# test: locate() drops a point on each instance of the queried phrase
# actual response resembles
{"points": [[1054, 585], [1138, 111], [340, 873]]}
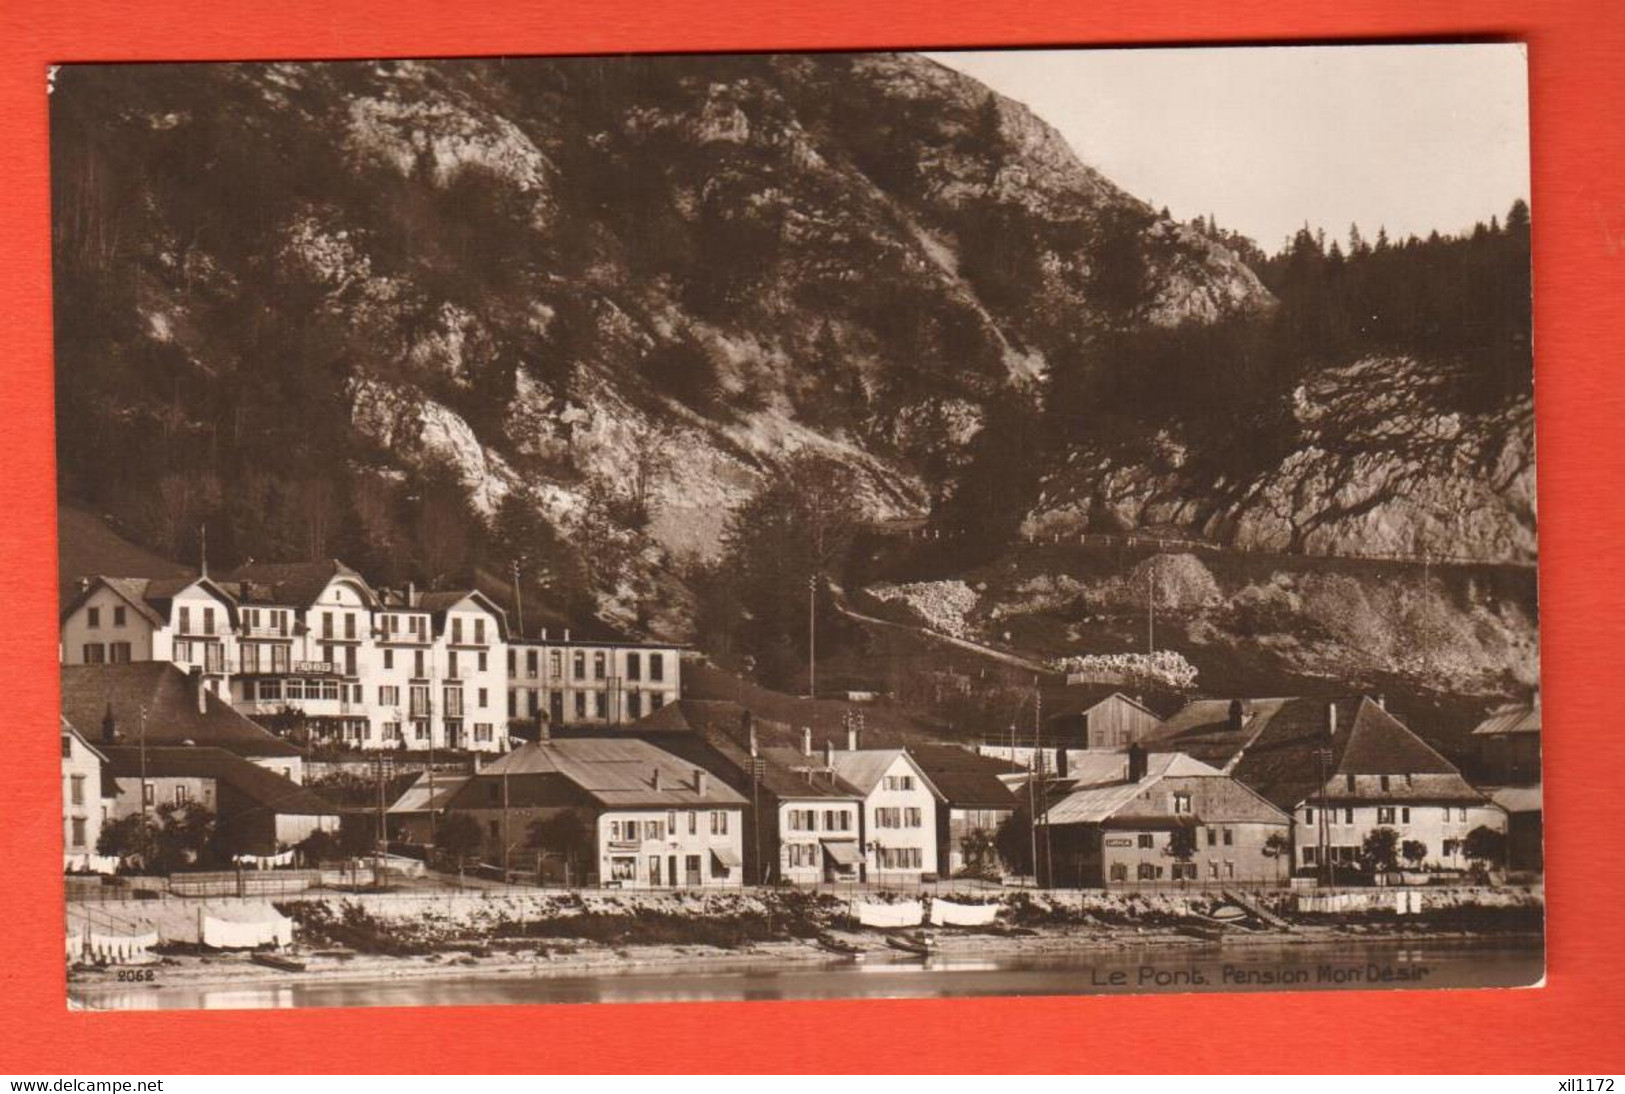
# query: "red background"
{"points": [[1572, 1026]]}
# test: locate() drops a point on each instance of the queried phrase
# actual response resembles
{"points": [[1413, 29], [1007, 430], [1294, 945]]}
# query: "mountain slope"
{"points": [[293, 283]]}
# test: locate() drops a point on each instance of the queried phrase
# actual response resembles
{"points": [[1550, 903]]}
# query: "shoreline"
{"points": [[567, 958]]}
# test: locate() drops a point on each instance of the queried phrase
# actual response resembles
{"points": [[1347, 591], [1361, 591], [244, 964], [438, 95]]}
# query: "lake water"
{"points": [[1477, 963]]}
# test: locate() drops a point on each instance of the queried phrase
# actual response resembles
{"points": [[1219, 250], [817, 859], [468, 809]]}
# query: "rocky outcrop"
{"points": [[1382, 462]]}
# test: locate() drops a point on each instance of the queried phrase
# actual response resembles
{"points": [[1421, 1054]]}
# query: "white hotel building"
{"points": [[314, 642]]}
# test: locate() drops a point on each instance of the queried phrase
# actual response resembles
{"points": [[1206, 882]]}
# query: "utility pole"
{"points": [[1323, 829], [144, 788], [812, 636], [519, 598], [1038, 750]]}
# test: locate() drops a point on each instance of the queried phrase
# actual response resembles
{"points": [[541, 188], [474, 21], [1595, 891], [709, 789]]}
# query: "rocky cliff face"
{"points": [[1380, 460], [538, 269]]}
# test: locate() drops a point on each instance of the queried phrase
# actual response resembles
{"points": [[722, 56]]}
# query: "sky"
{"points": [[1412, 137]]}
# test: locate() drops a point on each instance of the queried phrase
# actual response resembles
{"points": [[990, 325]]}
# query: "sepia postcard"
{"points": [[786, 526]]}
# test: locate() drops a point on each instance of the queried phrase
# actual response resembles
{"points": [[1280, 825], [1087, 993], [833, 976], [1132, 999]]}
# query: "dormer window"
{"points": [[1182, 804], [1348, 782], [1384, 780]]}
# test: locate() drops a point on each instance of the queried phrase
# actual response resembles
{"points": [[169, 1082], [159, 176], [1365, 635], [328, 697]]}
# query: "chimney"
{"points": [[567, 634], [544, 634], [1136, 762], [699, 780], [656, 781], [84, 584], [479, 763], [829, 754], [806, 740], [199, 690], [1331, 719], [544, 727], [753, 748], [411, 594], [1238, 715], [1534, 697], [109, 726], [851, 738], [1060, 762]]}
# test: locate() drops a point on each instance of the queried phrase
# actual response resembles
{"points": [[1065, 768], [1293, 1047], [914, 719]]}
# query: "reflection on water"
{"points": [[1476, 963]]}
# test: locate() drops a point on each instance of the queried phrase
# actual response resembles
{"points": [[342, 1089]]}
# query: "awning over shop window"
{"points": [[724, 856], [843, 852]]}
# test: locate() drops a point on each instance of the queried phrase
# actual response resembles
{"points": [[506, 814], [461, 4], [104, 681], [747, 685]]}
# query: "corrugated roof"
{"points": [[418, 798], [1215, 797], [266, 789], [1510, 719], [1518, 799], [617, 771], [172, 714]]}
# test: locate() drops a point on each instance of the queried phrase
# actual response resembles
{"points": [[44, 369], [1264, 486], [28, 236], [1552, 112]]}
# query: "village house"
{"points": [[817, 817], [579, 682], [1169, 818], [1343, 768], [87, 799], [899, 816], [155, 702], [1509, 744], [257, 812], [190, 622], [975, 805], [1526, 852], [618, 810]]}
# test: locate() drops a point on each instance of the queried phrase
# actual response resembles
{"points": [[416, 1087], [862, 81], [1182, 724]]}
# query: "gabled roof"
{"points": [[169, 697], [1203, 728], [618, 772], [789, 773], [437, 604], [292, 584], [1064, 700], [965, 780], [1510, 719], [864, 768], [264, 789], [73, 731], [722, 716], [151, 597], [1274, 749], [1215, 797]]}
